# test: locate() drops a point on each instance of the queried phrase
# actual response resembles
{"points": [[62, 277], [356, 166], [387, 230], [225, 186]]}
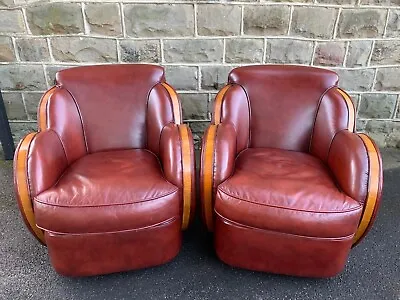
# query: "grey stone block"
{"points": [[14, 106], [161, 20], [386, 53], [388, 79], [20, 130], [244, 50], [362, 23], [330, 53], [12, 21], [289, 51], [33, 49], [6, 49], [55, 18], [393, 27], [32, 103], [182, 77], [140, 51], [22, 77], [194, 106], [193, 50], [266, 20], [359, 52], [313, 22], [378, 106], [356, 80], [76, 49], [214, 77], [385, 134], [381, 2], [216, 19], [104, 18]]}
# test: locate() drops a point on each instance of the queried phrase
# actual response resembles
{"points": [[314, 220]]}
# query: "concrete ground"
{"points": [[372, 272]]}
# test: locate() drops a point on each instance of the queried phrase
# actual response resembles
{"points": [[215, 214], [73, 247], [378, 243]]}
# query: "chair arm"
{"points": [[178, 163], [39, 162], [356, 163], [218, 154]]}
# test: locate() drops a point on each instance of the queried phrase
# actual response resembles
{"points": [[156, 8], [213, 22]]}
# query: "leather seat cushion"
{"points": [[287, 192], [106, 192]]}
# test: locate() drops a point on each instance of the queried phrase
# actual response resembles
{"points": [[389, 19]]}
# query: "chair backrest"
{"points": [[112, 103], [284, 101]]}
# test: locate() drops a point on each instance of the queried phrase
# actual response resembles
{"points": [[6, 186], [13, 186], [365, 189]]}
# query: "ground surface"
{"points": [[373, 270]]}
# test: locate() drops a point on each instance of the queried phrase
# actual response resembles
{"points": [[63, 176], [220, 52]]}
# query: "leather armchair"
{"points": [[108, 181], [286, 184]]}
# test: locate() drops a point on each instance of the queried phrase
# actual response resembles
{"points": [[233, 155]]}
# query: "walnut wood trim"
{"points": [[208, 176], [187, 174], [218, 104], [43, 109], [22, 187], [350, 108], [176, 107], [373, 188]]}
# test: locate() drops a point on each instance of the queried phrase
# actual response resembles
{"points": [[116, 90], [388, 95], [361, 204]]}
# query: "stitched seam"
{"points": [[81, 118], [316, 115], [147, 110], [277, 232], [369, 166], [171, 104], [292, 209], [249, 106], [108, 205], [160, 224], [62, 144], [28, 155]]}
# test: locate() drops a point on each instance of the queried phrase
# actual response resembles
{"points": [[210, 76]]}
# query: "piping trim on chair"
{"points": [[218, 104], [43, 108], [373, 188], [208, 175], [187, 174], [350, 109], [176, 107], [23, 187]]}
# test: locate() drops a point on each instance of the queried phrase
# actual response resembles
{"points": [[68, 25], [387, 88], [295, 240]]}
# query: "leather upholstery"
{"points": [[288, 187], [97, 176]]}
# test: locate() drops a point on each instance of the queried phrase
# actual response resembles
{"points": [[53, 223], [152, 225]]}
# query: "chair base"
{"points": [[102, 253], [268, 251]]}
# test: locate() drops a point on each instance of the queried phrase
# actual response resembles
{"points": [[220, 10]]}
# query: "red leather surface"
{"points": [[92, 254], [235, 110], [348, 161], [332, 117], [283, 101], [105, 94], [108, 191], [275, 252], [46, 162], [63, 117], [159, 114], [286, 191]]}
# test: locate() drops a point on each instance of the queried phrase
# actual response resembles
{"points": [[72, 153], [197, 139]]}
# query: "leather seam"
{"points": [[369, 165], [316, 114], [62, 144], [108, 205], [28, 156], [160, 224], [278, 232], [80, 117], [286, 208], [249, 106]]}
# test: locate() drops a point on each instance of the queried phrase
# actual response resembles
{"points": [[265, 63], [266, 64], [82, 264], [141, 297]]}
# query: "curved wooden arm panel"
{"points": [[21, 184], [372, 201]]}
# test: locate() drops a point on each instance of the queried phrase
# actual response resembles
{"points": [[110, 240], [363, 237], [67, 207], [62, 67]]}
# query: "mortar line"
{"points": [[195, 9], [290, 19], [16, 52], [122, 15], [335, 29], [28, 30], [85, 22], [346, 53], [386, 23], [50, 50], [370, 54], [242, 20]]}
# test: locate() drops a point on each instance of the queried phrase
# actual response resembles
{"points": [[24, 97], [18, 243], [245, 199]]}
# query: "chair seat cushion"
{"points": [[286, 191], [107, 192]]}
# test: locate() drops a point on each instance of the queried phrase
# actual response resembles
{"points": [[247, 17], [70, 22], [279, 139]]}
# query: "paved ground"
{"points": [[373, 270]]}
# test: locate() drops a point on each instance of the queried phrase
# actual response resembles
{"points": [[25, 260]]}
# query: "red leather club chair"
{"points": [[286, 184], [108, 181]]}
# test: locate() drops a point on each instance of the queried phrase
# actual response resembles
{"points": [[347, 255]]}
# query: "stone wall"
{"points": [[199, 42]]}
